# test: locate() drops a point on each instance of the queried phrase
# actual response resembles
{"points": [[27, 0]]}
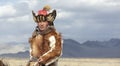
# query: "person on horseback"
{"points": [[46, 42]]}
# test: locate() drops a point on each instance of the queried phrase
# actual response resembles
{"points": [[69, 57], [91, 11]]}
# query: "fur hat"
{"points": [[46, 7], [43, 16]]}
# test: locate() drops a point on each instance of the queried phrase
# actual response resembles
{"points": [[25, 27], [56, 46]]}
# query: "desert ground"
{"points": [[71, 62]]}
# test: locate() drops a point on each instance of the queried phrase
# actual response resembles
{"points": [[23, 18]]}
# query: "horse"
{"points": [[2, 63]]}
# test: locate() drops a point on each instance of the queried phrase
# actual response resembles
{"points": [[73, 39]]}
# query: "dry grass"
{"points": [[73, 62]]}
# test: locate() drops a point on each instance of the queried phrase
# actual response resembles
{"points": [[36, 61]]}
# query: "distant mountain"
{"points": [[110, 43], [16, 55], [89, 49], [71, 48], [101, 49]]}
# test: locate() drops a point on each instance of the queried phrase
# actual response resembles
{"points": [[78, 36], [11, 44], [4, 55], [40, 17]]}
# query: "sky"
{"points": [[80, 20]]}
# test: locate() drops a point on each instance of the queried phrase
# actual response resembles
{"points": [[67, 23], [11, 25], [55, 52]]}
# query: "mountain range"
{"points": [[88, 49]]}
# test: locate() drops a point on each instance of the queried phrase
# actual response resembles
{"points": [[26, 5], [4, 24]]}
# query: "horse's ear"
{"points": [[34, 16]]}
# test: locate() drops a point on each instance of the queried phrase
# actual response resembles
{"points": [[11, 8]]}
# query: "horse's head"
{"points": [[2, 63]]}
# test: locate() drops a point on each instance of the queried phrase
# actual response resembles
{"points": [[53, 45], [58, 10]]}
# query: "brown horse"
{"points": [[2, 63]]}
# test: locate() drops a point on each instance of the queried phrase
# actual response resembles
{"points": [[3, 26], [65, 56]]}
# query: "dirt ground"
{"points": [[71, 62]]}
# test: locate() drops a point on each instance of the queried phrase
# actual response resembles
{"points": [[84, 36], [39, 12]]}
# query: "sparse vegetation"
{"points": [[73, 62]]}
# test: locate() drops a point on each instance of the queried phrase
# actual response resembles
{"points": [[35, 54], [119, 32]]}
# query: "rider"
{"points": [[51, 46]]}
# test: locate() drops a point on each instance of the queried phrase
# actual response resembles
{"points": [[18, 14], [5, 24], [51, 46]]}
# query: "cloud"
{"points": [[64, 14], [31, 3], [80, 20], [13, 48], [91, 21], [7, 10], [14, 38]]}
